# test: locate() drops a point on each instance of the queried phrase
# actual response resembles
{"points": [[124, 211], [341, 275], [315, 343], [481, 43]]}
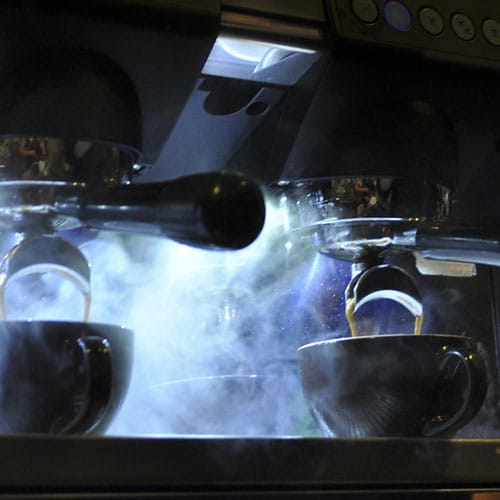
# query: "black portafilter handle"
{"points": [[210, 210]]}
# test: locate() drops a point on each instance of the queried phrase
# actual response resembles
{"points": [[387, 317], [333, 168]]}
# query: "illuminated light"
{"points": [[398, 15], [288, 245], [313, 271], [216, 190], [274, 214], [244, 58], [252, 50], [245, 50]]}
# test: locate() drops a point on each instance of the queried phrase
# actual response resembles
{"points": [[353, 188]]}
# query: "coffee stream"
{"points": [[418, 324], [349, 314]]}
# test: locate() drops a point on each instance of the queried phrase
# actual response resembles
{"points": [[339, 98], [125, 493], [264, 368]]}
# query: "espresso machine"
{"points": [[226, 177]]}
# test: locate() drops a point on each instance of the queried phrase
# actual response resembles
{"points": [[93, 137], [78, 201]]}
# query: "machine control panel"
{"points": [[460, 31]]}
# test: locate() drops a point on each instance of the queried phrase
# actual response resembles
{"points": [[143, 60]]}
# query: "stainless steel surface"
{"points": [[32, 204], [65, 160], [368, 219], [355, 218]]}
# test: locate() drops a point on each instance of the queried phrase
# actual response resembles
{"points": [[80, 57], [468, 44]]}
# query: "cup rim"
{"points": [[383, 336], [72, 324]]}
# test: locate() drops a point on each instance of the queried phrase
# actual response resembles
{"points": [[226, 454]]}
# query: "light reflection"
{"points": [[253, 50], [242, 58]]}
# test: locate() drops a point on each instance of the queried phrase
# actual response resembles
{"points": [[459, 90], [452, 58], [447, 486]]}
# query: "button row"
{"points": [[398, 15], [431, 20]]}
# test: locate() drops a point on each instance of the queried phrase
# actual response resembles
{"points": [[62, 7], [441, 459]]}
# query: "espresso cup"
{"points": [[62, 377], [393, 385]]}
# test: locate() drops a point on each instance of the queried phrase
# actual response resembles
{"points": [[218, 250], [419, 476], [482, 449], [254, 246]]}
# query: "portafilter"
{"points": [[365, 220], [61, 184]]}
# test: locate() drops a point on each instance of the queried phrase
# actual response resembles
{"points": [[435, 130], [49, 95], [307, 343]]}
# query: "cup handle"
{"points": [[475, 393], [98, 358]]}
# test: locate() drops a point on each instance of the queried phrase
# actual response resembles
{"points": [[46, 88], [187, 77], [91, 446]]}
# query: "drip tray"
{"points": [[66, 463]]}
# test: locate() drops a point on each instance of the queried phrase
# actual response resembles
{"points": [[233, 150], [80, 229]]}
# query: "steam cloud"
{"points": [[215, 332]]}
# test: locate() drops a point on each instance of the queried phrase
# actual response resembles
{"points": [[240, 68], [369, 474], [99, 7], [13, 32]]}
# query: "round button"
{"points": [[397, 15], [431, 21], [365, 10], [463, 26], [491, 31]]}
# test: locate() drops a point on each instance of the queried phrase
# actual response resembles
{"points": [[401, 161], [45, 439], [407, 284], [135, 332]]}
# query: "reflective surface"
{"points": [[213, 210], [353, 218], [57, 159]]}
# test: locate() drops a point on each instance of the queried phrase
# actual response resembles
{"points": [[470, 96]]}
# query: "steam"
{"points": [[208, 358], [216, 333]]}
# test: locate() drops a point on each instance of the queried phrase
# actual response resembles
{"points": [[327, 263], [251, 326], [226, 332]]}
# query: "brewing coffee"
{"points": [[58, 376], [393, 385]]}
